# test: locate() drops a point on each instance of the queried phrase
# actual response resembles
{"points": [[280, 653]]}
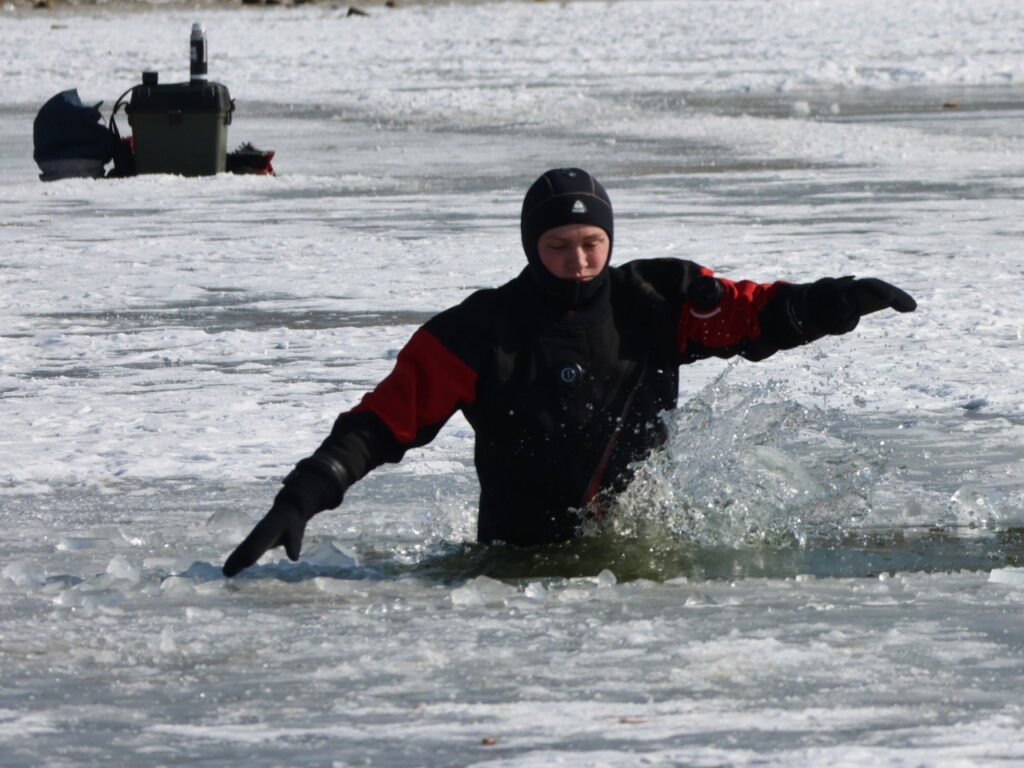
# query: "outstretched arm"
{"points": [[407, 409], [723, 318]]}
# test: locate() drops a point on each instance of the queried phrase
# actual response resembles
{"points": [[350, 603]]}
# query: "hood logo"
{"points": [[579, 207]]}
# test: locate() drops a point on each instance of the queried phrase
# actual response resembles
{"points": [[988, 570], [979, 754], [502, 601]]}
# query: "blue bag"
{"points": [[71, 139]]}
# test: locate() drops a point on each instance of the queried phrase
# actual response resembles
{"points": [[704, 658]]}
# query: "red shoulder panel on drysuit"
{"points": [[734, 320], [428, 384]]}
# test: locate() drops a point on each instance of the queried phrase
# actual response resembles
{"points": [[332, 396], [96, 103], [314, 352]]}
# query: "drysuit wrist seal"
{"points": [[320, 477]]}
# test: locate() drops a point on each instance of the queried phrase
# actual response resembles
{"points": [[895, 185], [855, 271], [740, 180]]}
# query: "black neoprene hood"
{"points": [[563, 196]]}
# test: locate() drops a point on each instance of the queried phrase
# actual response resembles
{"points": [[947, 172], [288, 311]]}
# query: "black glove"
{"points": [[835, 305], [282, 525], [874, 294], [316, 484]]}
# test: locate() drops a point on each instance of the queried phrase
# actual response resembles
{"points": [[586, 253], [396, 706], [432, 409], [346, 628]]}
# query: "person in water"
{"points": [[562, 372]]}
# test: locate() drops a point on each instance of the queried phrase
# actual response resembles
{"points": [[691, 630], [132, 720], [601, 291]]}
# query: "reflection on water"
{"points": [[866, 554]]}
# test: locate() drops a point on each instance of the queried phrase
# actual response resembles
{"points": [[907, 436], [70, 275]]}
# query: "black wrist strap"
{"points": [[327, 465], [320, 481]]}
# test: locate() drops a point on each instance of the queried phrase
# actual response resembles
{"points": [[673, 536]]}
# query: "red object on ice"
{"points": [[249, 160]]}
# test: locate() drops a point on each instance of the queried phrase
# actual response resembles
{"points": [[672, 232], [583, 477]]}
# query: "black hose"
{"points": [[117, 105]]}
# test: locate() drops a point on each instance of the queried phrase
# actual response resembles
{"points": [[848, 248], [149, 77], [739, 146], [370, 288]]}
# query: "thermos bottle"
{"points": [[197, 54]]}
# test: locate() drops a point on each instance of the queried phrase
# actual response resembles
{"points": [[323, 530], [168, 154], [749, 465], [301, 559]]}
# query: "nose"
{"points": [[579, 257]]}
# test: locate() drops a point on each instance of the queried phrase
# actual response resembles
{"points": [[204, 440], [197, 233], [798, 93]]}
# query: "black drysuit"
{"points": [[562, 402]]}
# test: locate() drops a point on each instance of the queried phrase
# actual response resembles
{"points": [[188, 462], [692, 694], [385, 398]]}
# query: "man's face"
{"points": [[574, 251]]}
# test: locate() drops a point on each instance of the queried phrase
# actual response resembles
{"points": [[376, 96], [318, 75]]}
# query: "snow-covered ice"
{"points": [[824, 566]]}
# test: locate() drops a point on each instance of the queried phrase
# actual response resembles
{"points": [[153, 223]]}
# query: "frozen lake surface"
{"points": [[825, 566]]}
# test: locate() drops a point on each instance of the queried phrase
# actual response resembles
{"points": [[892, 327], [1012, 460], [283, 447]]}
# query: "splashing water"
{"points": [[746, 466], [749, 483]]}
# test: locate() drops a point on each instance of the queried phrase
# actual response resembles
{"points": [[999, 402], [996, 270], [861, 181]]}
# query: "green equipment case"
{"points": [[180, 128]]}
